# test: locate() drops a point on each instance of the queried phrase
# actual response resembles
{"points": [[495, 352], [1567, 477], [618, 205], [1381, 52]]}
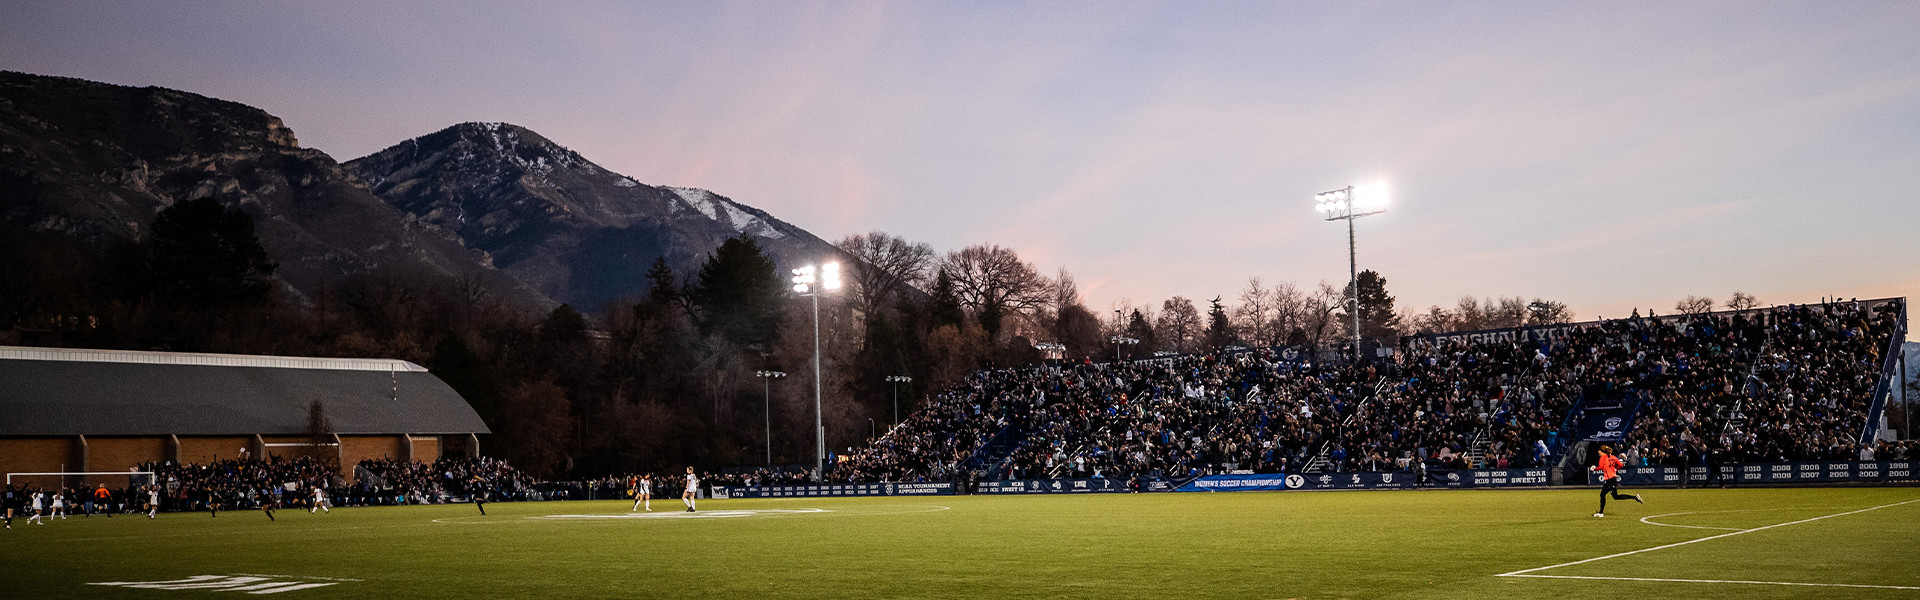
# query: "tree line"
{"points": [[671, 378]]}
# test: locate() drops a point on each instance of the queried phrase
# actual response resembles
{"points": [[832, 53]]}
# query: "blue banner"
{"points": [[836, 490], [1641, 476], [1486, 477], [1054, 486], [1605, 416], [1320, 481], [1897, 471]]}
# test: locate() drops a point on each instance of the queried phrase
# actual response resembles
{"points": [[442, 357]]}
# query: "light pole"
{"points": [[1347, 204], [895, 381], [810, 282], [1118, 341], [766, 387], [873, 431]]}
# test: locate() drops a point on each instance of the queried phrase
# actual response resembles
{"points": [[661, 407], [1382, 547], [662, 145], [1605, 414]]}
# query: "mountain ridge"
{"points": [[96, 162], [576, 231]]}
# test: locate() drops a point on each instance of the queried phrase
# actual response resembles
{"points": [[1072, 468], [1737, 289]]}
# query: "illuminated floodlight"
{"points": [[1371, 198], [830, 276], [803, 279]]}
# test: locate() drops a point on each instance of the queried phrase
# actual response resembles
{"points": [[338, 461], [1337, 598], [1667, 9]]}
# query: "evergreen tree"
{"points": [[738, 293], [944, 306], [203, 256], [1219, 328], [1139, 328], [1377, 319]]}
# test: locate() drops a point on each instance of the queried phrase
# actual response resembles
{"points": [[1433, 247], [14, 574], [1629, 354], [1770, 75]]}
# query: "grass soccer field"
{"points": [[1698, 543]]}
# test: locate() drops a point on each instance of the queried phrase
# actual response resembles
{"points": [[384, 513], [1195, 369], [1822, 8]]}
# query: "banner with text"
{"points": [[1054, 486], [1883, 471], [837, 490], [1319, 481], [1486, 477]]}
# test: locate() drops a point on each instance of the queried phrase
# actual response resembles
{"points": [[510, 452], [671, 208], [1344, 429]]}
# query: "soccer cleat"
{"points": [[1638, 498], [1599, 515]]}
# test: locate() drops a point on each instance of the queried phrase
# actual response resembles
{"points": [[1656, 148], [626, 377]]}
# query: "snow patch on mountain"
{"points": [[714, 207], [699, 199]]}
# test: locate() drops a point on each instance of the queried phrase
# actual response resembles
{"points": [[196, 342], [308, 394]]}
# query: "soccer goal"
{"points": [[82, 478]]}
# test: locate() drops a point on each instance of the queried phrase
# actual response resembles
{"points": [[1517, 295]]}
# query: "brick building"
{"points": [[66, 410]]}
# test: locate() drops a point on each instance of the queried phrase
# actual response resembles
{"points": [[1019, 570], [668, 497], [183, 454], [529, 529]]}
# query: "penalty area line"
{"points": [[1523, 572], [1662, 579]]}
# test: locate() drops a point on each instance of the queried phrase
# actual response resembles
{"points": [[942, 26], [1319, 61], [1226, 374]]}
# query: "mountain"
{"points": [[95, 162], [573, 230]]}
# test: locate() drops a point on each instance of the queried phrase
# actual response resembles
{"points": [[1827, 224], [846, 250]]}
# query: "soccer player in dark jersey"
{"points": [[1609, 469], [266, 501], [478, 489]]}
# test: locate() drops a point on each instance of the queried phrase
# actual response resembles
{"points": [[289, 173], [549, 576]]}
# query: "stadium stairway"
{"points": [[993, 454]]}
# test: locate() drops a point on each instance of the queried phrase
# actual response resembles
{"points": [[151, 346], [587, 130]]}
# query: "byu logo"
{"points": [[1294, 481], [1613, 422]]}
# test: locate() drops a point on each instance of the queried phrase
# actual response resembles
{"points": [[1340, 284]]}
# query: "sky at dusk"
{"points": [[1607, 155]]}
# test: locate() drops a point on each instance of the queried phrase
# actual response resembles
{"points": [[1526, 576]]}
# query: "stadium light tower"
{"points": [[811, 282], [766, 387], [895, 381], [1347, 204]]}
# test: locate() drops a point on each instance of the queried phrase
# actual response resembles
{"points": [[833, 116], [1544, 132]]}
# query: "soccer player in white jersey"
{"points": [[59, 505], [320, 501], [39, 504], [153, 500], [643, 493], [693, 489]]}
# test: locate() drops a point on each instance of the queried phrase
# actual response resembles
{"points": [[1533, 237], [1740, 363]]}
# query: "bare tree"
{"points": [[994, 283], [1179, 326], [1468, 315], [1548, 312], [1318, 311], [1694, 305], [1507, 312], [887, 266], [1290, 313], [319, 432], [1434, 320], [1742, 301], [1254, 318]]}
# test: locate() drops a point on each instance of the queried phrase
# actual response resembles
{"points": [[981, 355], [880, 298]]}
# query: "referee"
{"points": [[1609, 469]]}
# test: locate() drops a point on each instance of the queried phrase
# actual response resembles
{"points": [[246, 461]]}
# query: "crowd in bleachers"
{"points": [[1773, 385], [387, 481], [241, 483]]}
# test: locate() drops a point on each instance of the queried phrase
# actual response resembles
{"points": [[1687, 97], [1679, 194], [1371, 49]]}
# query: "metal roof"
{"points": [[58, 392], [193, 358]]}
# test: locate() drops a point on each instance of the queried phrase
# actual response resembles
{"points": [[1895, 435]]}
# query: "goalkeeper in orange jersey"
{"points": [[1609, 469]]}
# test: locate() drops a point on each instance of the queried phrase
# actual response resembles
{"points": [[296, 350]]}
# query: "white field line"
{"points": [[1644, 520], [1521, 572], [1844, 585]]}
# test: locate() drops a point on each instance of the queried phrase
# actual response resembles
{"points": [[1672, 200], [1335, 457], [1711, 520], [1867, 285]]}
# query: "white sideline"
{"points": [[1844, 585], [1523, 572]]}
